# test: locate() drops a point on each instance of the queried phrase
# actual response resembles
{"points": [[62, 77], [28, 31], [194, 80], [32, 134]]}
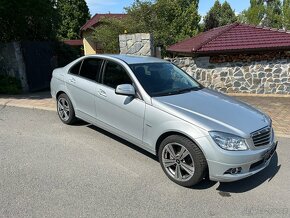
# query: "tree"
{"points": [[211, 19], [242, 18], [286, 14], [270, 13], [188, 22], [107, 34], [30, 20], [219, 15], [169, 21], [255, 13], [176, 21], [73, 14], [228, 15], [273, 14], [141, 16]]}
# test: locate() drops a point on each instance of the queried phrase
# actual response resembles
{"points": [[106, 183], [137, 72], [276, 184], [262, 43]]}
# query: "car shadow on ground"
{"points": [[224, 189], [130, 145]]}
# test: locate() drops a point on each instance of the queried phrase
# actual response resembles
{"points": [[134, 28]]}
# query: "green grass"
{"points": [[9, 85]]}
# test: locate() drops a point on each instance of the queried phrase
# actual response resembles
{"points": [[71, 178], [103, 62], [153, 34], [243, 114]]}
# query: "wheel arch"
{"points": [[169, 133], [59, 92]]}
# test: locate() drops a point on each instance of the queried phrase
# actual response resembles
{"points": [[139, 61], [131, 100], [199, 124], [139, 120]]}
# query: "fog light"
{"points": [[233, 170]]}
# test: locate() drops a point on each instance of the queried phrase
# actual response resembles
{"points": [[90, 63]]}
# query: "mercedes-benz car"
{"points": [[195, 132]]}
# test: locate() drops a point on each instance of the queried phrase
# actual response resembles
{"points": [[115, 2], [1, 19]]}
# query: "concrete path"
{"points": [[277, 107]]}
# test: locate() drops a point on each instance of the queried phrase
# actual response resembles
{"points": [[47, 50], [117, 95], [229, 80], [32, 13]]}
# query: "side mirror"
{"points": [[125, 89]]}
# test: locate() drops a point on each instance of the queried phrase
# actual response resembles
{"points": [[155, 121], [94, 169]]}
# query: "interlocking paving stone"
{"points": [[278, 108]]}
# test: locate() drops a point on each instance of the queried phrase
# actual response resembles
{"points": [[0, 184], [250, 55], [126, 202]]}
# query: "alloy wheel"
{"points": [[178, 162], [63, 109]]}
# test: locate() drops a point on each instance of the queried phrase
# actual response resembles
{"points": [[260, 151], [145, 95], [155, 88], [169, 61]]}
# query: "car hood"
{"points": [[213, 111]]}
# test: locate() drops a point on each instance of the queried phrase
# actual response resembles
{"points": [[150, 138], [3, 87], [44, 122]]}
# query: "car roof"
{"points": [[133, 59]]}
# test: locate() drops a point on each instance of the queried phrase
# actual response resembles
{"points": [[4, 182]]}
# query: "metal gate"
{"points": [[38, 57]]}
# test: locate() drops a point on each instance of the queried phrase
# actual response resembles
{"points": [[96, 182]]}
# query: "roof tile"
{"points": [[97, 17], [234, 38], [73, 42]]}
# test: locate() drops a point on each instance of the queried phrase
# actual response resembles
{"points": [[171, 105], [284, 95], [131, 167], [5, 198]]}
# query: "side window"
{"points": [[91, 68], [75, 68], [115, 75]]}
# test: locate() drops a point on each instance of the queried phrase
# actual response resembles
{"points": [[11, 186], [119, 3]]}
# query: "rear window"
{"points": [[91, 68]]}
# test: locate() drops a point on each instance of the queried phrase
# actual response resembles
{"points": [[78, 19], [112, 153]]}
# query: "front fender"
{"points": [[158, 122]]}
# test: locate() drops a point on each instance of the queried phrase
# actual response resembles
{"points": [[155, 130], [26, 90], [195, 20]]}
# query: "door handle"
{"points": [[102, 93], [72, 80]]}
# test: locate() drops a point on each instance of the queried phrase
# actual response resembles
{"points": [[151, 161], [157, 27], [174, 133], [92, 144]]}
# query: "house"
{"points": [[238, 58], [235, 38], [90, 46]]}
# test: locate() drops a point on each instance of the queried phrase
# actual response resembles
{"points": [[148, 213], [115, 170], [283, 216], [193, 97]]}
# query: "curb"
{"points": [[11, 104]]}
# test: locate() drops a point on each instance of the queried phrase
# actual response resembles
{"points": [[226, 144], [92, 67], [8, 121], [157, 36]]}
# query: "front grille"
{"points": [[262, 137]]}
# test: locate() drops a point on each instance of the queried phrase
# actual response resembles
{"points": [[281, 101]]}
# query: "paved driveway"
{"points": [[277, 107], [48, 169]]}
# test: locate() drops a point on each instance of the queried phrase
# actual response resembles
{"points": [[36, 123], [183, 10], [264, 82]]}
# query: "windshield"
{"points": [[160, 79]]}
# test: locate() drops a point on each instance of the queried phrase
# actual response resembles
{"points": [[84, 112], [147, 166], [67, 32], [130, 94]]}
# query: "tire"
{"points": [[182, 161], [65, 109]]}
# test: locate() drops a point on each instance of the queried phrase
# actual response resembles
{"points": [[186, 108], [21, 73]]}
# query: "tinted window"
{"points": [[76, 68], [115, 75], [91, 68], [159, 79]]}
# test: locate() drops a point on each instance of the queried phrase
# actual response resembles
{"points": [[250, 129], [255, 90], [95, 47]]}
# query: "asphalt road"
{"points": [[48, 169]]}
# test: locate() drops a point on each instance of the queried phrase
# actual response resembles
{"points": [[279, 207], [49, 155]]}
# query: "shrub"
{"points": [[9, 85]]}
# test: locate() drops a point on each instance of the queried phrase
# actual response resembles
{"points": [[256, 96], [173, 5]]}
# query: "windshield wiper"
{"points": [[187, 90], [180, 91]]}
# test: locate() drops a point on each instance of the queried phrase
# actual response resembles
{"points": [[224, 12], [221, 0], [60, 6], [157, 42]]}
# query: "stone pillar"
{"points": [[136, 44]]}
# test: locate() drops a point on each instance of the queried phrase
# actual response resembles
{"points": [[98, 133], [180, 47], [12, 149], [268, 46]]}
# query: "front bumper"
{"points": [[249, 162]]}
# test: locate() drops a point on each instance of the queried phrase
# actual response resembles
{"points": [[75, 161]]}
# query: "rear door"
{"points": [[82, 85], [124, 114]]}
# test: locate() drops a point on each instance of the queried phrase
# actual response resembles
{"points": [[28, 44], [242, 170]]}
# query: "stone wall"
{"points": [[136, 44], [257, 77]]}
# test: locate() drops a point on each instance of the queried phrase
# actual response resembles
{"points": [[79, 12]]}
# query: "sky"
{"points": [[117, 6]]}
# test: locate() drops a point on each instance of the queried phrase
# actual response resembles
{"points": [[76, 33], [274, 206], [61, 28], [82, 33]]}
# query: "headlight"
{"points": [[229, 141]]}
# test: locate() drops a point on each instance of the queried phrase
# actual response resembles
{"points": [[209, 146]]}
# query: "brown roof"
{"points": [[95, 19], [235, 37], [73, 42]]}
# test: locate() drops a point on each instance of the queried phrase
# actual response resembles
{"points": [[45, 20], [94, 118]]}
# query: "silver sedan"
{"points": [[194, 131]]}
